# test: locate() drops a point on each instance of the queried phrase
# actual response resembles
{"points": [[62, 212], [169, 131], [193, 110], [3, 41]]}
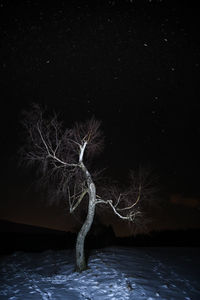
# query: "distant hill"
{"points": [[23, 237], [164, 238], [12, 227]]}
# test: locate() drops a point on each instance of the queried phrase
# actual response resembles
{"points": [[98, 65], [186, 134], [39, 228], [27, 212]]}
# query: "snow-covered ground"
{"points": [[114, 273]]}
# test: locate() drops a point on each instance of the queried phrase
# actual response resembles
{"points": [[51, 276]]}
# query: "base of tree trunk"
{"points": [[82, 268]]}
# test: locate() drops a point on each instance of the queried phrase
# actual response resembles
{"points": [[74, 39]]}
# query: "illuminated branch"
{"points": [[134, 204], [125, 205], [51, 152], [82, 150], [129, 216], [77, 198]]}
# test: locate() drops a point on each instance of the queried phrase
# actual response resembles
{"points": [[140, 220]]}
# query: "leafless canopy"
{"points": [[57, 151], [61, 154]]}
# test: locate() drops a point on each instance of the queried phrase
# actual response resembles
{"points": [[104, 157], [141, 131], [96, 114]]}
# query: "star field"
{"points": [[132, 64]]}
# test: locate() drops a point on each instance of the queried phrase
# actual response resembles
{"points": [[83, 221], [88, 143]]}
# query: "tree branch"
{"points": [[80, 198], [134, 204], [130, 216]]}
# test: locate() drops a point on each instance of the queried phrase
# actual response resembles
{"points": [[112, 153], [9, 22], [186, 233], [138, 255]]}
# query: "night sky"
{"points": [[134, 65]]}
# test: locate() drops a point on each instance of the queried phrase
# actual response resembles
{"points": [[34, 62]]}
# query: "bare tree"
{"points": [[61, 156]]}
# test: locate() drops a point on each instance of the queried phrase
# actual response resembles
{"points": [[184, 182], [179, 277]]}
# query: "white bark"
{"points": [[80, 242], [80, 253]]}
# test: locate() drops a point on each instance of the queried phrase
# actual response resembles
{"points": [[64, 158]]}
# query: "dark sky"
{"points": [[132, 64]]}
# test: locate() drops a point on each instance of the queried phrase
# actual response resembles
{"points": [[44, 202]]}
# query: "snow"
{"points": [[114, 273]]}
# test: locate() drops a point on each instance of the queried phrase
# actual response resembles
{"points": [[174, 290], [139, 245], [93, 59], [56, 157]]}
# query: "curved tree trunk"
{"points": [[80, 254]]}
